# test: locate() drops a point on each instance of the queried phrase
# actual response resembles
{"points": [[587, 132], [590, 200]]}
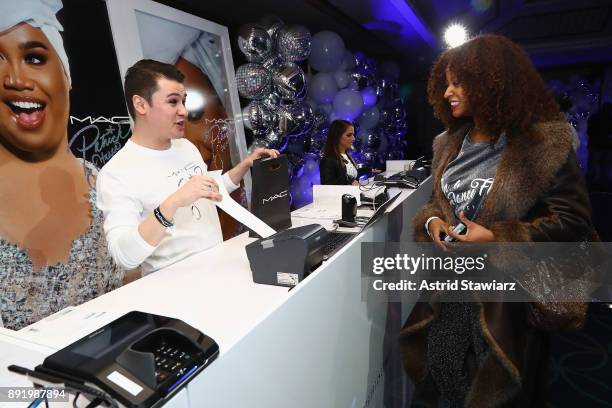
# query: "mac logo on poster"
{"points": [[274, 197], [117, 120]]}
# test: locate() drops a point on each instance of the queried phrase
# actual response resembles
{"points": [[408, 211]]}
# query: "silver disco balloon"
{"points": [[272, 62], [258, 117], [253, 81], [289, 80], [293, 43], [254, 42]]}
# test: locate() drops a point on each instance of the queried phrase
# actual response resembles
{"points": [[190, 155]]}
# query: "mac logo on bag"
{"points": [[274, 197]]}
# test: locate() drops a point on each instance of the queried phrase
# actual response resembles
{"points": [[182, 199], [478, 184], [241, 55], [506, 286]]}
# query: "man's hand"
{"points": [[237, 173], [475, 232], [261, 152], [197, 187]]}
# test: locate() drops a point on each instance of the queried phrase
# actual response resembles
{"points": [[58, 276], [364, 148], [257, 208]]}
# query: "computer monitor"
{"points": [[270, 192]]}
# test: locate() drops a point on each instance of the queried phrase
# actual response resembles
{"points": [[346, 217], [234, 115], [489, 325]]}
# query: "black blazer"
{"points": [[333, 171]]}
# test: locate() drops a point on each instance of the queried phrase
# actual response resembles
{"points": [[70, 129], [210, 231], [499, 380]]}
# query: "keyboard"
{"points": [[170, 362], [334, 241]]}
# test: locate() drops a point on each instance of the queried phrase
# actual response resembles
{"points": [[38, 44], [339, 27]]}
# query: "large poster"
{"points": [[62, 116]]}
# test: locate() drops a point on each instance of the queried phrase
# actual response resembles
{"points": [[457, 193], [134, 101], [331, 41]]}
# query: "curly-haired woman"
{"points": [[504, 167]]}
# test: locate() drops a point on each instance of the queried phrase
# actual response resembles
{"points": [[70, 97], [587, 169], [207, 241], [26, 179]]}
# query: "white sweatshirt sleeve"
{"points": [[122, 216], [229, 185]]}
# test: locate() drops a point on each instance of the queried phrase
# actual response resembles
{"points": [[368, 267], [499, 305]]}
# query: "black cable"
{"points": [[76, 397]]}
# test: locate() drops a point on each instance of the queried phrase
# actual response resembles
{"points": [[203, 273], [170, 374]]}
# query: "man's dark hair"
{"points": [[141, 79]]}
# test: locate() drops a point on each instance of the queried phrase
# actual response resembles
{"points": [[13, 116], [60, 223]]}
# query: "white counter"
{"points": [[317, 345]]}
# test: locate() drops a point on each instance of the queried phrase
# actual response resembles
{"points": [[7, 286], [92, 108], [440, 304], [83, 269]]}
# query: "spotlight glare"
{"points": [[455, 35], [195, 100]]}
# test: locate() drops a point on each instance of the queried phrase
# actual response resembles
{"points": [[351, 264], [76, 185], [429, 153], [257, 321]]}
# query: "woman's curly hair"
{"points": [[502, 86]]}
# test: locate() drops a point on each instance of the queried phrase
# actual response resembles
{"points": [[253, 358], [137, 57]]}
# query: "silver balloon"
{"points": [[294, 119], [363, 80], [293, 43], [371, 139], [276, 141], [258, 142], [289, 80], [254, 42], [272, 100], [253, 81], [272, 25], [314, 143], [398, 113], [386, 117], [258, 117], [372, 158]]}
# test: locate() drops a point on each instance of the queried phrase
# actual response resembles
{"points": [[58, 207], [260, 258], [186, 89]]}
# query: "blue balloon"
{"points": [[310, 167], [326, 51], [369, 97], [348, 61], [369, 118], [322, 88], [348, 104], [342, 78], [353, 85], [359, 157], [305, 186], [315, 178], [327, 109], [296, 193], [334, 116]]}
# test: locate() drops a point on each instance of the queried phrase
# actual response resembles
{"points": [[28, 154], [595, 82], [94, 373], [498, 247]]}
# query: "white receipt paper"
{"points": [[238, 212]]}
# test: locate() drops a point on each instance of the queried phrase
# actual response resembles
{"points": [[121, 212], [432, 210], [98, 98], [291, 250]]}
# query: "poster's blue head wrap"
{"points": [[39, 14]]}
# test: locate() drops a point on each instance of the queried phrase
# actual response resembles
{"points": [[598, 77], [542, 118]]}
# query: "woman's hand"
{"points": [[355, 183], [437, 227], [475, 232]]}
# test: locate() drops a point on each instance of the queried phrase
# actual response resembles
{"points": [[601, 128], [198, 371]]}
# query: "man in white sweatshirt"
{"points": [[155, 192]]}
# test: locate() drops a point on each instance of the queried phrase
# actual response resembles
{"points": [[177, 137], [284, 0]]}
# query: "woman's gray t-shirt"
{"points": [[469, 177]]}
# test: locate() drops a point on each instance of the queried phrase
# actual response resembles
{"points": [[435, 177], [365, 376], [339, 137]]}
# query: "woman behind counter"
{"points": [[52, 248], [337, 166]]}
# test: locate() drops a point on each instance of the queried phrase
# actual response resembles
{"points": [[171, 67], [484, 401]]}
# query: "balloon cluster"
{"points": [[351, 86], [291, 111], [274, 81]]}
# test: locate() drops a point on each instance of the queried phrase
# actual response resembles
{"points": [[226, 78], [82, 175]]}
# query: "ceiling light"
{"points": [[455, 35]]}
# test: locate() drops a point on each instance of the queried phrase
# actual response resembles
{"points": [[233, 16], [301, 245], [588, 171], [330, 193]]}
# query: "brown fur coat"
{"points": [[538, 195]]}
